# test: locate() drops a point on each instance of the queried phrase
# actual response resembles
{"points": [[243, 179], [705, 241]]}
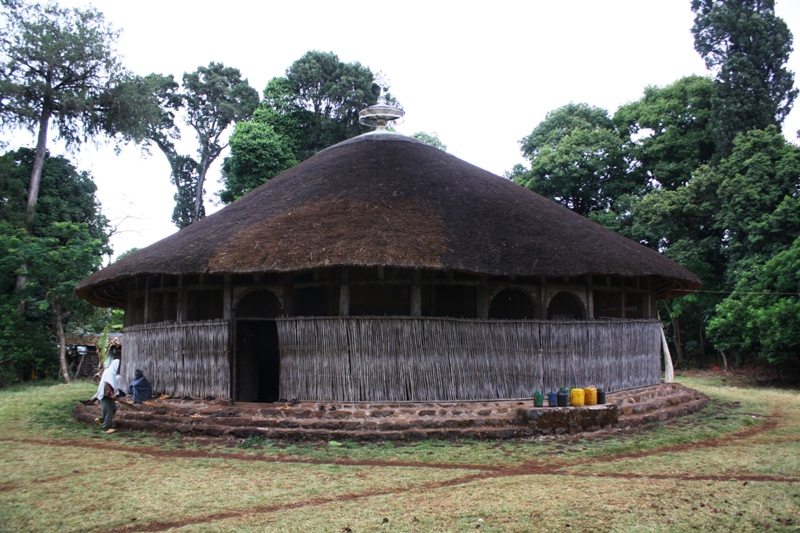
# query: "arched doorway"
{"points": [[258, 361], [512, 304], [565, 306]]}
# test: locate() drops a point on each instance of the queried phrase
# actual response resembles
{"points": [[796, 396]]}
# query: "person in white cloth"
{"points": [[107, 390]]}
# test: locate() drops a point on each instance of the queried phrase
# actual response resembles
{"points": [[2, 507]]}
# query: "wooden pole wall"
{"points": [[180, 359], [442, 359]]}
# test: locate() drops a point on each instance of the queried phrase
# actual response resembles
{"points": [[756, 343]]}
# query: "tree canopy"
{"points": [[430, 138], [576, 157], [210, 99], [314, 106], [65, 243], [257, 154], [57, 65], [669, 131], [746, 47]]}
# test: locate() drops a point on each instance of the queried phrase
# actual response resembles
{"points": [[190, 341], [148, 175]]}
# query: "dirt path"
{"points": [[478, 472]]}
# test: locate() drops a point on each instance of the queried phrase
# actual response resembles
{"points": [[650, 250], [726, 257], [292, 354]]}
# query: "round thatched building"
{"points": [[383, 269]]}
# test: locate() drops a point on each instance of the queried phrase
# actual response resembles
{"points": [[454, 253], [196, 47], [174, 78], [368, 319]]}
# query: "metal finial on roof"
{"points": [[379, 115]]}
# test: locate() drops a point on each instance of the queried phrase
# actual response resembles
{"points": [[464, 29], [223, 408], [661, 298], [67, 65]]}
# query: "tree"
{"points": [[432, 139], [68, 215], [332, 93], [214, 97], [313, 107], [56, 65], [758, 189], [257, 154], [761, 317], [746, 47], [211, 98], [681, 224], [53, 268], [67, 194], [576, 156], [670, 131], [725, 224]]}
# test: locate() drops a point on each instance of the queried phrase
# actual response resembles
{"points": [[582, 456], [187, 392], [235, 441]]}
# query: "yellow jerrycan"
{"points": [[590, 396], [576, 397]]}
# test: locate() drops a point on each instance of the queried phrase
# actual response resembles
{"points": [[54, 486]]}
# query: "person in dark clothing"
{"points": [[140, 389]]}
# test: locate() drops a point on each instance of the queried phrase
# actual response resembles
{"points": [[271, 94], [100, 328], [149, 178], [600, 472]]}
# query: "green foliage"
{"points": [[67, 195], [59, 65], [432, 139], [671, 130], [27, 350], [313, 107], [53, 267], [576, 157], [65, 244], [329, 94], [746, 47], [56, 63], [103, 357], [211, 98], [257, 154], [758, 187], [763, 316]]}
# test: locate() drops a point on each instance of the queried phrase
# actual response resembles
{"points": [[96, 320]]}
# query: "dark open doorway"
{"points": [[258, 361]]}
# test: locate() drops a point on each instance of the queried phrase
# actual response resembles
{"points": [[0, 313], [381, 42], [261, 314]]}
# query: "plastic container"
{"points": [[576, 397], [601, 396], [538, 399], [590, 396], [563, 398], [552, 398]]}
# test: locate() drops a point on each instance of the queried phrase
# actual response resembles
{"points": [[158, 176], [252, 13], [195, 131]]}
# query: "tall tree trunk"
{"points": [[38, 164], [62, 342], [33, 189], [198, 195]]}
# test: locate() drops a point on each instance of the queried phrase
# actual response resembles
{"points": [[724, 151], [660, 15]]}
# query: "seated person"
{"points": [[140, 389]]}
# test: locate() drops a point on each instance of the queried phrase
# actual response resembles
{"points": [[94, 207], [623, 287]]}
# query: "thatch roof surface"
{"points": [[385, 199]]}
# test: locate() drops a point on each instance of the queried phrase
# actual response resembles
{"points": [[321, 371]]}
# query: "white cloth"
{"points": [[109, 376]]}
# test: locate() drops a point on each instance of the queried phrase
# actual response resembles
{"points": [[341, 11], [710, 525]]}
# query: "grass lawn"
{"points": [[733, 467]]}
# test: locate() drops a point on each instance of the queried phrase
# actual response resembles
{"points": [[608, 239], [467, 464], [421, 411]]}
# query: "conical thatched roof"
{"points": [[385, 199]]}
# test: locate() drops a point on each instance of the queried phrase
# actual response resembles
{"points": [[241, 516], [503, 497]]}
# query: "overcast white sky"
{"points": [[482, 75]]}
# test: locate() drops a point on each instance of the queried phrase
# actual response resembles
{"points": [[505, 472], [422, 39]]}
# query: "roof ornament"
{"points": [[378, 116]]}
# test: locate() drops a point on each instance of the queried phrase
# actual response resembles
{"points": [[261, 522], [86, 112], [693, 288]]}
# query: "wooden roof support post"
{"points": [[542, 300], [182, 300], [483, 299], [127, 307], [146, 314], [227, 298], [416, 293], [344, 295], [288, 295], [589, 299]]}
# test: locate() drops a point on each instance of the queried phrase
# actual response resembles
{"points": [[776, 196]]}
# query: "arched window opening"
{"points": [[259, 304], [565, 306], [512, 304]]}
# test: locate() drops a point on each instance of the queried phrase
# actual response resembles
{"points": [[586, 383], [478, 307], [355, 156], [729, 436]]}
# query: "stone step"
{"points": [[663, 414], [505, 423], [393, 421], [644, 394], [659, 403], [360, 434], [655, 404]]}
